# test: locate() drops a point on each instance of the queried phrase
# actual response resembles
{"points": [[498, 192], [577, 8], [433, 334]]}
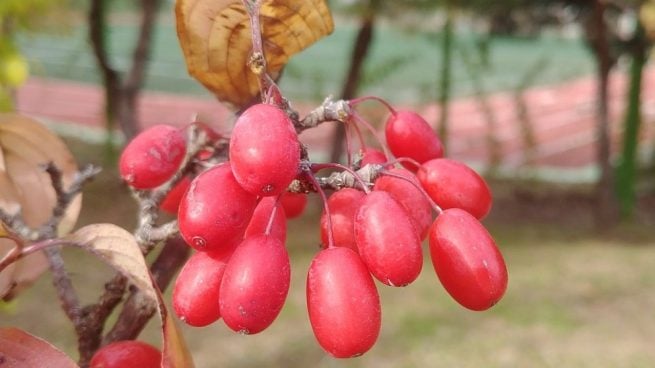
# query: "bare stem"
{"points": [[362, 185], [328, 111]]}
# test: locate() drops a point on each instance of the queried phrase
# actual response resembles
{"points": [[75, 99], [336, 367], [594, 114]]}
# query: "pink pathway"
{"points": [[561, 116]]}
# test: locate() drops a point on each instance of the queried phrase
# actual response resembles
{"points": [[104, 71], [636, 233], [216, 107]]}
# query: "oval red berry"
{"points": [[215, 211], [409, 135], [343, 303], [264, 150], [467, 260], [451, 184], [152, 157], [197, 288], [128, 353]]}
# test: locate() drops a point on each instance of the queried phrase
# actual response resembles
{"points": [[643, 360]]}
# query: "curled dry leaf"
{"points": [[25, 147], [120, 250], [18, 349], [647, 17], [216, 40]]}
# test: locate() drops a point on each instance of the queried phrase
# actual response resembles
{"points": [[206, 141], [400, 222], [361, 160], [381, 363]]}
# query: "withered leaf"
{"points": [[216, 40]]}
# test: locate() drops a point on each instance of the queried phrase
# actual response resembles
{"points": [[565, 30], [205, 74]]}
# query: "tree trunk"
{"points": [[360, 50], [597, 35], [122, 91], [627, 169]]}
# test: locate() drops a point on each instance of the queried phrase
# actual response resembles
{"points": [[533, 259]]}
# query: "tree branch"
{"points": [[138, 309], [137, 72]]}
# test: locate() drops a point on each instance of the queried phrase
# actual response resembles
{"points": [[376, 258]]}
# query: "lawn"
{"points": [[408, 61], [576, 298]]}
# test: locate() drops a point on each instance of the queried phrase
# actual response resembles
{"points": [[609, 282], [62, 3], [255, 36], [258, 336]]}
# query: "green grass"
{"points": [[575, 298], [403, 66]]}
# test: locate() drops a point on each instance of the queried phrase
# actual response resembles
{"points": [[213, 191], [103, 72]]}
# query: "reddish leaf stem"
{"points": [[359, 100], [434, 205], [317, 186]]}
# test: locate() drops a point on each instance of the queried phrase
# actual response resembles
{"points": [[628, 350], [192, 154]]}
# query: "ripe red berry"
{"points": [[152, 157], [387, 241], [293, 203], [261, 217], [128, 353], [172, 200], [255, 284], [215, 210], [343, 206], [467, 260], [451, 184], [410, 197], [343, 303], [409, 135], [371, 155], [264, 150], [197, 288]]}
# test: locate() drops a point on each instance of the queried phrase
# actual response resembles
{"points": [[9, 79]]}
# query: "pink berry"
{"points": [[197, 288], [261, 217], [451, 184], [387, 241], [373, 156], [152, 157], [409, 135], [410, 197], [172, 200], [255, 284], [294, 204], [264, 150], [215, 211], [343, 303], [343, 205], [467, 260], [127, 353]]}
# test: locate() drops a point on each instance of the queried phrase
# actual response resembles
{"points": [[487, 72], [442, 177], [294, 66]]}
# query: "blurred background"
{"points": [[553, 101]]}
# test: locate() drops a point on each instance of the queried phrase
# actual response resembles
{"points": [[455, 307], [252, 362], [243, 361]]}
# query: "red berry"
{"points": [[409, 135], [264, 150], [343, 303], [215, 210], [255, 284], [128, 353], [293, 203], [451, 184], [343, 206], [387, 241], [197, 288], [172, 200], [261, 217], [467, 261], [410, 197], [152, 157], [373, 156]]}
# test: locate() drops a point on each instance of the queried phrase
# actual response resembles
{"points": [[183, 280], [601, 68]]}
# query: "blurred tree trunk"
{"points": [[122, 88], [445, 74], [359, 53], [627, 169], [598, 38]]}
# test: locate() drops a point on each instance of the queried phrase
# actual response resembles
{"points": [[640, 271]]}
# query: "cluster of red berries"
{"points": [[234, 214]]}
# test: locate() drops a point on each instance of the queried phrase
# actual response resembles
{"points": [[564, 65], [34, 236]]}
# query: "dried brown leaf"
{"points": [[216, 40], [18, 349], [119, 249], [25, 147]]}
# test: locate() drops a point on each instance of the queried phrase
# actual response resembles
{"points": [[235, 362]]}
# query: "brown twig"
{"points": [[138, 310]]}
